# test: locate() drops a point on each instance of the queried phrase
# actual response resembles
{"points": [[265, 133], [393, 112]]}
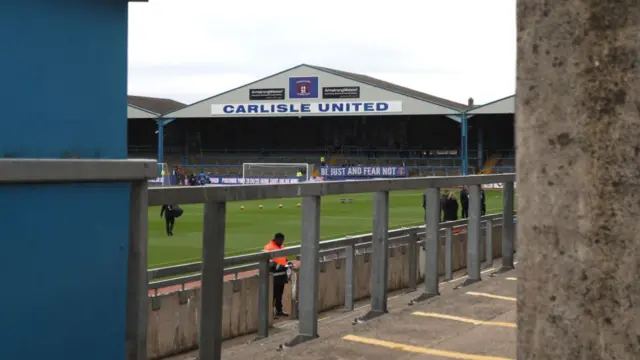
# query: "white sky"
{"points": [[189, 50]]}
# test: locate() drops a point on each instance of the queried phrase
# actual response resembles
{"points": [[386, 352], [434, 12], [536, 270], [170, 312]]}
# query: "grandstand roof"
{"points": [[506, 105], [393, 87], [154, 105], [416, 102]]}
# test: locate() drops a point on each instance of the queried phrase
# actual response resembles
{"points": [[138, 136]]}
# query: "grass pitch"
{"points": [[249, 229]]}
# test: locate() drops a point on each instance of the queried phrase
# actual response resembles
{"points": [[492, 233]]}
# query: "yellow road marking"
{"points": [[420, 350], [492, 296], [466, 320], [512, 278]]}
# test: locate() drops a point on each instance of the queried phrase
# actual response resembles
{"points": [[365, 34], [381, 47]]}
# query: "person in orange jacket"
{"points": [[279, 268]]}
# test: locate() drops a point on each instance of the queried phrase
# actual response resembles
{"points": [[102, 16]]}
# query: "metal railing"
{"points": [[138, 172], [191, 272], [135, 172], [213, 243]]}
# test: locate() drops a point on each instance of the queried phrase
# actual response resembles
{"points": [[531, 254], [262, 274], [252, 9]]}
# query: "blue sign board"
{"points": [[303, 87]]}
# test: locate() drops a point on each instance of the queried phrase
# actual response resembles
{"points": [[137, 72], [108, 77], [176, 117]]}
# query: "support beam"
{"points": [[508, 238], [464, 144], [480, 155], [578, 179], [350, 277], [160, 133], [211, 294], [431, 245], [137, 281], [473, 236], [309, 271], [379, 256]]}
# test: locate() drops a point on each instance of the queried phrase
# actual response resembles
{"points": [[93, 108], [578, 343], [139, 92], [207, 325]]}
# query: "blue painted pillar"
{"points": [[63, 77], [480, 147], [160, 140], [464, 144]]}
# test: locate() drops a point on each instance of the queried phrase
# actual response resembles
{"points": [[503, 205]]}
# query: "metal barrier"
{"points": [[213, 244], [136, 172], [191, 272]]}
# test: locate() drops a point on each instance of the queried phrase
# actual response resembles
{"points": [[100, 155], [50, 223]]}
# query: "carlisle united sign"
{"points": [[302, 108]]}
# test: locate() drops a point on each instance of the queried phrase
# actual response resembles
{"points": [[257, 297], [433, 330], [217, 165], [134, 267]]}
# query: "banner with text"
{"points": [[333, 172], [342, 92], [266, 94], [302, 108]]}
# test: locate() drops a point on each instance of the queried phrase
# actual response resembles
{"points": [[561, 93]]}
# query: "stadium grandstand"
{"points": [[325, 117], [142, 112]]}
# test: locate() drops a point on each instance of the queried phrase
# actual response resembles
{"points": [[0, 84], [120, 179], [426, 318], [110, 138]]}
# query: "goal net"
{"points": [[275, 173]]}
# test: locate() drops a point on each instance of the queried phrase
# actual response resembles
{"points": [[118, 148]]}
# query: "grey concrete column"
{"points": [[431, 245], [309, 271], [264, 300], [379, 256], [211, 293], [350, 277], [508, 238], [578, 179], [473, 236]]}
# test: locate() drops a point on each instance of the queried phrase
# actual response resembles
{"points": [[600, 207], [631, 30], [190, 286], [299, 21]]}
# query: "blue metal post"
{"points": [[480, 147], [161, 124], [464, 145], [63, 69]]}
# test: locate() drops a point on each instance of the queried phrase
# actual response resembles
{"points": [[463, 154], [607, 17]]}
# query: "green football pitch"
{"points": [[249, 229]]}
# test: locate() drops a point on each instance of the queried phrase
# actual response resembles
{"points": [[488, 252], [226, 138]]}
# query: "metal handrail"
{"points": [[210, 194], [255, 258]]}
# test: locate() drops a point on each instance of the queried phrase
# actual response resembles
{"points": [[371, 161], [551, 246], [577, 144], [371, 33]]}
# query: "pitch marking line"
{"points": [[472, 293], [420, 350], [466, 320]]}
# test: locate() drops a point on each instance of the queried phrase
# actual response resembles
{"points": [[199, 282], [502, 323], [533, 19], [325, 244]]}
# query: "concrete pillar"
{"points": [[578, 133]]}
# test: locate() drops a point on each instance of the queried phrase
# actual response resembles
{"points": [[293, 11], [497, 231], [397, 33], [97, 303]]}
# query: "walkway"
{"points": [[469, 323]]}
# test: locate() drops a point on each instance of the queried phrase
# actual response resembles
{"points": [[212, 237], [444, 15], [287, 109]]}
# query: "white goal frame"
{"points": [[164, 178], [307, 175]]}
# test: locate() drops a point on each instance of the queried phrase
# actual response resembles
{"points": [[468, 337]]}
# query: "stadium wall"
{"points": [[173, 317]]}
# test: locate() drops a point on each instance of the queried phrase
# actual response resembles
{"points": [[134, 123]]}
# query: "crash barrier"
{"points": [[131, 174], [343, 279], [138, 172], [214, 262]]}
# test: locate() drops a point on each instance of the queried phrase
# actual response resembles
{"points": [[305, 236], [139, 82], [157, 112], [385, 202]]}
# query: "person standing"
{"points": [[450, 207], [170, 212], [483, 203], [464, 202], [278, 266]]}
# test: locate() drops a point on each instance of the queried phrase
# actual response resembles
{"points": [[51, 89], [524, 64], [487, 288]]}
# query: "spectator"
{"points": [[450, 207], [464, 202]]}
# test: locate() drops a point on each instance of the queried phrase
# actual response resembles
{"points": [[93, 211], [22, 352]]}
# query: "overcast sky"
{"points": [[189, 50]]}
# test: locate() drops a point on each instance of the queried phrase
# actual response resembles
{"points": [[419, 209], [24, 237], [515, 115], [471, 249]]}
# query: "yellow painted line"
{"points": [[512, 278], [420, 350], [466, 320], [492, 296]]}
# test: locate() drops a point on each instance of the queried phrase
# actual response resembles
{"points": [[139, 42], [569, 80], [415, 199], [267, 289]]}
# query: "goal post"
{"points": [[256, 172], [164, 174]]}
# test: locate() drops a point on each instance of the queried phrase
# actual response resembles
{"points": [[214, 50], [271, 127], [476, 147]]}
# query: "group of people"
{"points": [[449, 204]]}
